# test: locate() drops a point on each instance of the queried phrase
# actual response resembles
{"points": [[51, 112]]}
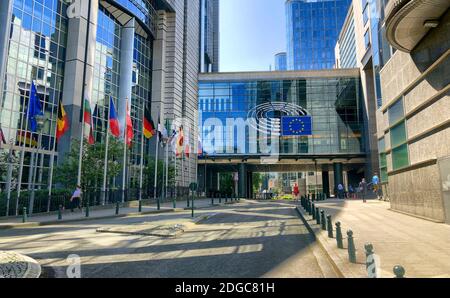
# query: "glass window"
{"points": [[396, 112], [367, 39], [398, 135], [400, 157]]}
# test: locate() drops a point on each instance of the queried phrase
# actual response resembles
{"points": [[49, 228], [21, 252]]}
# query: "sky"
{"points": [[251, 33]]}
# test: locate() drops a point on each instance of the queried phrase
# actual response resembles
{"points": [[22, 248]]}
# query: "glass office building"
{"points": [[241, 121], [333, 104], [37, 50], [313, 27], [281, 62]]}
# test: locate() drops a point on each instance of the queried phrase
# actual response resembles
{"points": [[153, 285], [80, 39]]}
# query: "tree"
{"points": [[93, 165], [5, 164]]}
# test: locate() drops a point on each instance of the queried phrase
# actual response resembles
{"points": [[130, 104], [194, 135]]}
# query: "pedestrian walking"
{"points": [[340, 191], [76, 199], [363, 189], [296, 191], [376, 185]]}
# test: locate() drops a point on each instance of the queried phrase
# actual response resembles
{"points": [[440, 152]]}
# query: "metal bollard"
{"points": [[158, 204], [24, 215], [370, 261], [87, 209], [226, 199], [117, 207], [323, 220], [313, 211], [339, 240], [140, 206], [330, 227], [60, 213], [351, 247], [318, 216], [399, 271], [212, 201], [220, 198], [188, 202]]}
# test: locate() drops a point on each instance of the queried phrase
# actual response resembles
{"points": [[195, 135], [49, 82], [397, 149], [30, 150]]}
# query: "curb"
{"points": [[321, 245], [57, 222]]}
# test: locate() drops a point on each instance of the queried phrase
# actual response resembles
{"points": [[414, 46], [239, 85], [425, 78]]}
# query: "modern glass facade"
{"points": [[347, 44], [233, 111], [280, 62], [36, 51], [313, 27]]}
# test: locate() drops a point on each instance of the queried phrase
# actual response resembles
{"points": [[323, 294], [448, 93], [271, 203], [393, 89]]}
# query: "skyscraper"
{"points": [[209, 36], [313, 27], [280, 62]]}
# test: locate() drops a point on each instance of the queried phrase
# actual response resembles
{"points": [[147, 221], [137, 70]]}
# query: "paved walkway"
{"points": [[421, 247], [108, 211]]}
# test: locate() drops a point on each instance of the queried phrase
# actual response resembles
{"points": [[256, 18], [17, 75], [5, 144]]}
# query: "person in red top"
{"points": [[296, 191]]}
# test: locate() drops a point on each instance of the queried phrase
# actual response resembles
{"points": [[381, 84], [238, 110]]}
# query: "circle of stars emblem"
{"points": [[296, 126]]}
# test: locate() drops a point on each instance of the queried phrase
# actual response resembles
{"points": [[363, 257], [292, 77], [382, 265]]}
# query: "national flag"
{"points": [[2, 137], [180, 142], [297, 126], [163, 131], [187, 149], [149, 125], [27, 138], [129, 128], [200, 146], [173, 140], [88, 125], [113, 120], [34, 108], [62, 124]]}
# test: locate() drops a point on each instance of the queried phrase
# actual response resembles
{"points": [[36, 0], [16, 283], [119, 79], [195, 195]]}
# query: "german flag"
{"points": [[62, 122], [149, 126]]}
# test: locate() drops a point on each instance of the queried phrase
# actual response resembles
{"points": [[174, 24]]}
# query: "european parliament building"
{"points": [[281, 122], [144, 53]]}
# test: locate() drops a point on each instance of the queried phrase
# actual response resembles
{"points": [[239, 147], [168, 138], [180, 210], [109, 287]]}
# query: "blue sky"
{"points": [[252, 32]]}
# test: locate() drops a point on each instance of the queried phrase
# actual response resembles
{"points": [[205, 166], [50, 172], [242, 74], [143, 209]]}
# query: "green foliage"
{"points": [[226, 183], [257, 182], [93, 164], [149, 173]]}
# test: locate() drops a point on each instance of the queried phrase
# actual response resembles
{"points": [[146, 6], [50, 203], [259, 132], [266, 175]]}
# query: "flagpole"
{"points": [[141, 176], [155, 183], [9, 178], [22, 155], [124, 171], [167, 168], [105, 167], [52, 162], [80, 158]]}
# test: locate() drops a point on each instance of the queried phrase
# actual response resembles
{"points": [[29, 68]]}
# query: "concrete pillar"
{"points": [[338, 175], [79, 54], [243, 181], [126, 70], [5, 27], [326, 183]]}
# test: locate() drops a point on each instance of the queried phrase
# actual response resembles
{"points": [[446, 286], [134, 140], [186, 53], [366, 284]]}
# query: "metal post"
{"points": [[399, 271], [87, 207], [117, 207], [193, 204], [339, 240], [60, 213], [351, 247], [329, 227], [323, 220], [24, 215], [318, 215], [140, 206], [314, 211]]}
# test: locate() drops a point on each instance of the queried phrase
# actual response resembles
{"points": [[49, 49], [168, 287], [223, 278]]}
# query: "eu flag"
{"points": [[34, 108], [297, 126]]}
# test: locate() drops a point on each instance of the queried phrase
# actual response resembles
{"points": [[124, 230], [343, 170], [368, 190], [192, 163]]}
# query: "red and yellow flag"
{"points": [[62, 122], [149, 126]]}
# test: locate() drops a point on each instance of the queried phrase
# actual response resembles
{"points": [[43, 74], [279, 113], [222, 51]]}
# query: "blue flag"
{"points": [[34, 108], [297, 126]]}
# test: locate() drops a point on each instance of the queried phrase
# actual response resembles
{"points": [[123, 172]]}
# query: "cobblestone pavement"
{"points": [[15, 265]]}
